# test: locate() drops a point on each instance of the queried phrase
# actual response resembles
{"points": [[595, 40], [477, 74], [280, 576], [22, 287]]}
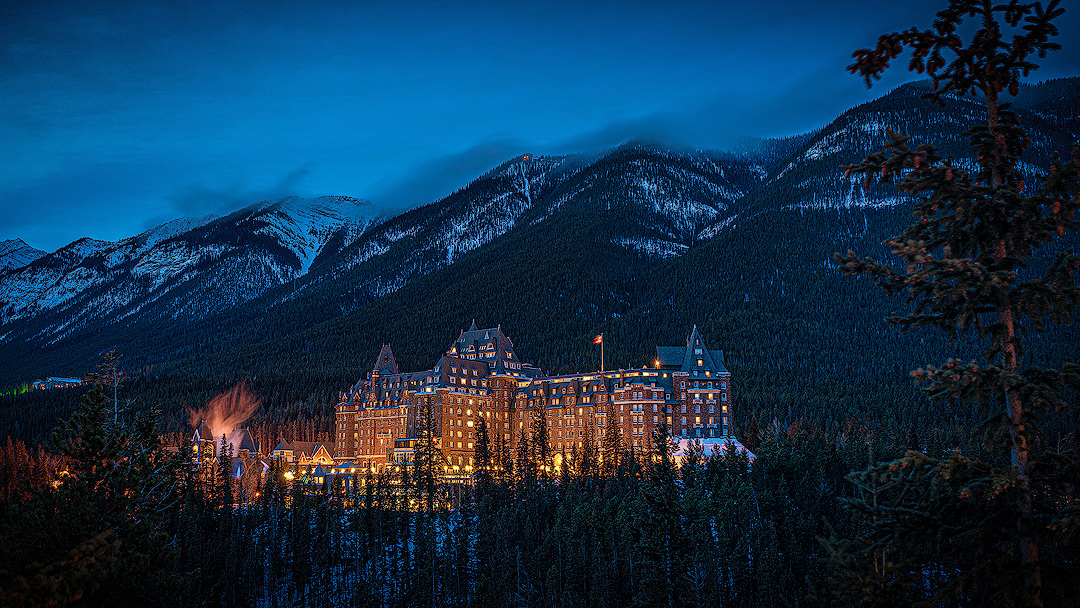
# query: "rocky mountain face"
{"points": [[577, 242], [181, 271], [14, 253]]}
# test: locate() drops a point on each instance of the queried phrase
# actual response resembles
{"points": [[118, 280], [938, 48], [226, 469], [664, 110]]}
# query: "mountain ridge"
{"points": [[604, 239]]}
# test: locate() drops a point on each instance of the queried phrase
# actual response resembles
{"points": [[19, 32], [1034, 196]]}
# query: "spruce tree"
{"points": [[482, 458], [525, 468], [225, 472], [662, 540], [541, 443], [99, 533], [427, 456], [611, 445], [982, 261]]}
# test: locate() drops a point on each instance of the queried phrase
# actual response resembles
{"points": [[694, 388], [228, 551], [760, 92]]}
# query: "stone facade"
{"points": [[481, 376]]}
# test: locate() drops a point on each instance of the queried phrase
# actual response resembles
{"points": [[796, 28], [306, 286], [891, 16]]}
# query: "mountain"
{"points": [[640, 242], [181, 271], [14, 253]]}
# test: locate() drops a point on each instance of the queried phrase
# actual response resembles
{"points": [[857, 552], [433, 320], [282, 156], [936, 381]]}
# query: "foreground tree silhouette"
{"points": [[972, 268], [98, 534]]}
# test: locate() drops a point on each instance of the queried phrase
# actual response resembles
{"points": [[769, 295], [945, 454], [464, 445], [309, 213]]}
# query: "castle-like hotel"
{"points": [[481, 376]]}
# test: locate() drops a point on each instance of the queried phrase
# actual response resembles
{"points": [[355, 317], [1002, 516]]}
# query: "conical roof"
{"points": [[386, 363]]}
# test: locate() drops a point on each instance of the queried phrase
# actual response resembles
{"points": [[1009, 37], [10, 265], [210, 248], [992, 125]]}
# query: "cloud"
{"points": [[426, 182], [438, 177], [197, 200]]}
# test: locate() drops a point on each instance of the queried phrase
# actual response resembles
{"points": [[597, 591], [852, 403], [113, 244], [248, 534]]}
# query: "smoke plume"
{"points": [[226, 411]]}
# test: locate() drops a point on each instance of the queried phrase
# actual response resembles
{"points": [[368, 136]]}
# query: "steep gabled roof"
{"points": [[386, 363], [685, 358], [327, 448], [204, 432], [489, 344], [244, 441]]}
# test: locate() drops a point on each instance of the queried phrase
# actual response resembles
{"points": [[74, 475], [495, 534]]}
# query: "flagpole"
{"points": [[601, 352]]}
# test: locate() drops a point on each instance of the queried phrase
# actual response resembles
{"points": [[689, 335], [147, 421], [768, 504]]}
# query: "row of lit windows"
{"points": [[696, 384]]}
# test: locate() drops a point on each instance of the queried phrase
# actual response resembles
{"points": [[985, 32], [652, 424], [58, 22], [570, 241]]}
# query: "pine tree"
{"points": [[225, 473], [427, 456], [525, 469], [99, 533], [589, 455], [972, 267], [109, 376], [482, 456], [611, 446], [540, 442], [662, 540]]}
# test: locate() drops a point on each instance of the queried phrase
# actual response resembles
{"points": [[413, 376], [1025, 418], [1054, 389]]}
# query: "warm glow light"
{"points": [[288, 475]]}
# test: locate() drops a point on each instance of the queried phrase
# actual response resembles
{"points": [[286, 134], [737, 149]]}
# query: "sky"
{"points": [[118, 116]]}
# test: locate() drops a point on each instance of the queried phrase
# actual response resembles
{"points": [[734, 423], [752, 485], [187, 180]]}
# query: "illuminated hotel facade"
{"points": [[376, 420]]}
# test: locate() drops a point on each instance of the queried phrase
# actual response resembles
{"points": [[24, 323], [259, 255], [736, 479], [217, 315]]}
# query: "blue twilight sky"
{"points": [[117, 116]]}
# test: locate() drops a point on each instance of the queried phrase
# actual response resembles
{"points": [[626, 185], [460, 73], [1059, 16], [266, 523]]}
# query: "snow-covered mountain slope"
{"points": [[185, 269], [295, 263], [812, 179], [657, 202], [15, 253]]}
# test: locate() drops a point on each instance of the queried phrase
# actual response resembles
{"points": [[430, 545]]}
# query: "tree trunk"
{"points": [[1029, 547]]}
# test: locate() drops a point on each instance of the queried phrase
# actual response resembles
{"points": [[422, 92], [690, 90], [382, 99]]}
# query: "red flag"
{"points": [[598, 339]]}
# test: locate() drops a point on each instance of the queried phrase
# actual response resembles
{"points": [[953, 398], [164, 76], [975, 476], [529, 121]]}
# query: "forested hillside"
{"points": [[640, 243]]}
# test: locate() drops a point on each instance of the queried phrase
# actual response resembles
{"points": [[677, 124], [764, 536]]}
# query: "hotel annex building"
{"points": [[481, 376]]}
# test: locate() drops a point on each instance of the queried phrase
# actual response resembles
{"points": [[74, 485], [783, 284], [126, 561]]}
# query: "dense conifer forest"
{"points": [[860, 487]]}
